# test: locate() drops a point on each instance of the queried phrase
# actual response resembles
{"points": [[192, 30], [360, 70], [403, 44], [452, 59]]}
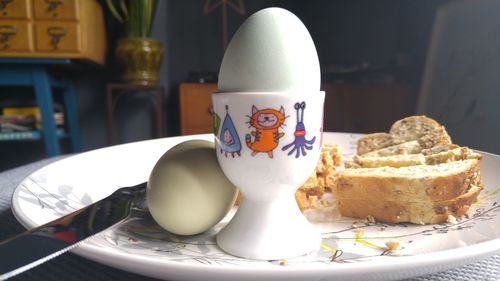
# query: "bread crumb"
{"points": [[451, 219], [393, 245], [283, 262], [370, 218]]}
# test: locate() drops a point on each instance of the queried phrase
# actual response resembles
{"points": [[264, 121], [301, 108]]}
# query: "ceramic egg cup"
{"points": [[268, 144]]}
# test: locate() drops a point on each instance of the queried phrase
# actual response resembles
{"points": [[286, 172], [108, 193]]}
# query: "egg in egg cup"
{"points": [[268, 116]]}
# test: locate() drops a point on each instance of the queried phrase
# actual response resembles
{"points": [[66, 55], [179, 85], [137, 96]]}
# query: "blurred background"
{"points": [[380, 61]]}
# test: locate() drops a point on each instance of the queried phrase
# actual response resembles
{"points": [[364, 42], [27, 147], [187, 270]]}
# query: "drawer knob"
{"points": [[56, 33], [3, 4], [5, 32], [52, 6]]}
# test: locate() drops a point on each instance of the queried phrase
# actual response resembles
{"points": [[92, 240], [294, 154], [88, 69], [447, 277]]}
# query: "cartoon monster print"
{"points": [[300, 144], [229, 139], [267, 123]]}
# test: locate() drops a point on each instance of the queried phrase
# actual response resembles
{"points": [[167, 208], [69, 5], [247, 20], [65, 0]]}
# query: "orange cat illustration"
{"points": [[266, 136]]}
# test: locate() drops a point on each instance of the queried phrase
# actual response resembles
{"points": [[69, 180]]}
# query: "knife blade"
{"points": [[38, 245]]}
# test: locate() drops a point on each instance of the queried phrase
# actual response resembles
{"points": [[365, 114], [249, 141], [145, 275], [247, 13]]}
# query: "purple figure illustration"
{"points": [[300, 144]]}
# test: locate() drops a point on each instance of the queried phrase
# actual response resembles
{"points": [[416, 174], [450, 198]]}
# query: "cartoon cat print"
{"points": [[267, 123]]}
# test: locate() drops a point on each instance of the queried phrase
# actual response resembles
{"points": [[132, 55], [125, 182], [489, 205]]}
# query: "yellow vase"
{"points": [[141, 58]]}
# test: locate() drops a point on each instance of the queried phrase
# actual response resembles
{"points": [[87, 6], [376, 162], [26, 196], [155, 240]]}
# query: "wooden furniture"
{"points": [[367, 107], [52, 29], [38, 33], [33, 73], [156, 93], [195, 101], [361, 108]]}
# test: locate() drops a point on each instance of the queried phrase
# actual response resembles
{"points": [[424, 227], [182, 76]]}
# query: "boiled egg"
{"points": [[187, 192], [271, 51]]}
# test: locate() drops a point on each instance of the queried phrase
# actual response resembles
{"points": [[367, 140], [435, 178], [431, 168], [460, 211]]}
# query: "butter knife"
{"points": [[38, 245]]}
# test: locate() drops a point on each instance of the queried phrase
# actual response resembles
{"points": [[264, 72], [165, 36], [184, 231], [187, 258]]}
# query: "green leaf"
{"points": [[217, 122], [114, 11], [136, 15]]}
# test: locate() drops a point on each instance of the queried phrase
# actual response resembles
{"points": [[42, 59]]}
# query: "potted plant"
{"points": [[140, 54]]}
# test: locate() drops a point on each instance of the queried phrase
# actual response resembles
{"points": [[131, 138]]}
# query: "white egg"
{"points": [[187, 191], [271, 51]]}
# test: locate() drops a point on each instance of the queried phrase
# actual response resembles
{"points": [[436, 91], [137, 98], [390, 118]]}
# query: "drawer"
{"points": [[14, 9], [57, 36], [56, 9], [15, 36]]}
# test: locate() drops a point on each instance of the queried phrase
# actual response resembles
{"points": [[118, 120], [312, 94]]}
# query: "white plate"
{"points": [[141, 246]]}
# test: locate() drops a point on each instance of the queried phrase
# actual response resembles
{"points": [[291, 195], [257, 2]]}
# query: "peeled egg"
{"points": [[187, 191], [271, 51]]}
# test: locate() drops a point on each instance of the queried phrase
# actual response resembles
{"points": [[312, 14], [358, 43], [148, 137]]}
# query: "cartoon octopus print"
{"points": [[300, 143]]}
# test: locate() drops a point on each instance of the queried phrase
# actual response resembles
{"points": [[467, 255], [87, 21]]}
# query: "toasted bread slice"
{"points": [[403, 160], [375, 141], [414, 173], [439, 148], [427, 131], [396, 211], [403, 136], [395, 161], [422, 183], [409, 147]]}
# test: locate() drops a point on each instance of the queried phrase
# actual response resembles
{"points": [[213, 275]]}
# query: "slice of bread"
{"points": [[404, 136], [427, 131], [375, 141], [414, 174], [395, 161], [421, 183], [426, 157], [409, 147], [396, 211]]}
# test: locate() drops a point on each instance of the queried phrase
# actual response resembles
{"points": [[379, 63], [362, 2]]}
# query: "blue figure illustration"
{"points": [[300, 144], [228, 137]]}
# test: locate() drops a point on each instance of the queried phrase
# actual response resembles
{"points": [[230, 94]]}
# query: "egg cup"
{"points": [[268, 144]]}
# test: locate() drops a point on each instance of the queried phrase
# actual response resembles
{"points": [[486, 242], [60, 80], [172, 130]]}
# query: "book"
{"points": [[10, 127], [30, 111], [27, 135], [19, 122]]}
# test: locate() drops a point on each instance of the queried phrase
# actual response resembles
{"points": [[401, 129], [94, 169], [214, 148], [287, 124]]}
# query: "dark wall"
{"points": [[376, 34], [195, 45], [379, 34]]}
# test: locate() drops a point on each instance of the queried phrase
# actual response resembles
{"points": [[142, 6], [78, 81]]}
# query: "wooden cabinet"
{"points": [[56, 9], [16, 36], [367, 107], [361, 108], [195, 101], [19, 9], [52, 29]]}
